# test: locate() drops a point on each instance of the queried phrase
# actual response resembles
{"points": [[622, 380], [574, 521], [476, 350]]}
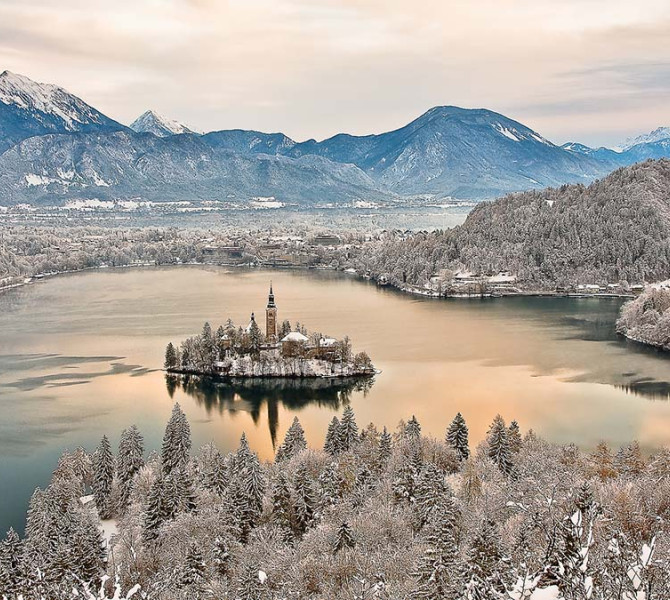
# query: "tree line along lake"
{"points": [[81, 356]]}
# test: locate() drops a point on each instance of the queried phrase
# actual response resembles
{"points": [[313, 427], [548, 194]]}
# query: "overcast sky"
{"points": [[594, 71]]}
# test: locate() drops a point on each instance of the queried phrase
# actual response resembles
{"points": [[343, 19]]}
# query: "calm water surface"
{"points": [[80, 357]]}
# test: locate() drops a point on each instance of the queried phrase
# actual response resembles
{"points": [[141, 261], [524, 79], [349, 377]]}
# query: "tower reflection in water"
{"points": [[251, 394]]}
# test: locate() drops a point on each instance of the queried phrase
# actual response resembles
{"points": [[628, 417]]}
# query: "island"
{"points": [[283, 351]]}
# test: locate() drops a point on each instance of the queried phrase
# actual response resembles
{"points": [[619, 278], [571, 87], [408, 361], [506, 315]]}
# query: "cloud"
{"points": [[315, 67]]}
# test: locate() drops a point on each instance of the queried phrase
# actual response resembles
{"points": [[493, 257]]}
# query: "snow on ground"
{"points": [[32, 179], [109, 528], [266, 202]]}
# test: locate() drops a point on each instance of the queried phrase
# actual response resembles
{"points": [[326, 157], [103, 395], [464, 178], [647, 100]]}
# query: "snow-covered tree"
{"points": [[344, 538], [514, 437], [348, 430], [332, 444], [103, 475], [294, 442], [176, 441], [498, 445], [129, 461], [171, 357], [457, 437]]}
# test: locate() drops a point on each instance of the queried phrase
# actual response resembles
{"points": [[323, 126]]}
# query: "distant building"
{"points": [[271, 318]]}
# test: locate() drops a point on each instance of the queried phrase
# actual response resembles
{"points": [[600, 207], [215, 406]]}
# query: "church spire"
{"points": [[271, 318], [271, 298]]}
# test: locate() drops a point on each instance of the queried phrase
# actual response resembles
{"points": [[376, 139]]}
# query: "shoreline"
{"points": [[221, 377], [410, 290]]}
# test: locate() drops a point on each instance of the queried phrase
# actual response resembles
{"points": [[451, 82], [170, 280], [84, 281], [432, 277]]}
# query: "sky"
{"points": [[594, 71]]}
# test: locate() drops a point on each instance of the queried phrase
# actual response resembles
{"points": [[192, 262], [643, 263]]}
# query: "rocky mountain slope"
{"points": [[53, 169], [458, 152], [54, 147], [28, 108]]}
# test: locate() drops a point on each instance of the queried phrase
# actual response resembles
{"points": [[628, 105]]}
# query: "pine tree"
{"points": [[254, 484], [10, 565], [405, 480], [103, 475], [484, 562], [305, 501], [330, 482], [249, 585], [242, 455], [282, 506], [584, 499], [294, 442], [207, 347], [157, 511], [194, 571], [255, 338], [176, 441], [348, 430], [332, 444], [436, 574], [413, 430], [213, 470], [498, 445], [222, 558], [186, 497], [130, 461], [385, 448], [431, 490], [171, 357], [457, 437], [514, 437], [87, 551], [344, 538]]}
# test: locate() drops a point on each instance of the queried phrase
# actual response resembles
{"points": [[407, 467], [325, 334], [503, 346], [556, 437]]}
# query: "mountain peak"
{"points": [[658, 134], [56, 108], [152, 122]]}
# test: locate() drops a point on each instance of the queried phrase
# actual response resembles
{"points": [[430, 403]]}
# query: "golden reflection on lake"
{"points": [[80, 356]]}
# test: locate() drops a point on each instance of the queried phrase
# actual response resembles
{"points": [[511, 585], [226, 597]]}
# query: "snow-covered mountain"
{"points": [[151, 122], [28, 108], [53, 169], [448, 151], [660, 133], [651, 149], [452, 151]]}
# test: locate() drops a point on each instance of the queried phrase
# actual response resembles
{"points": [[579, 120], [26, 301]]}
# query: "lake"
{"points": [[80, 356]]}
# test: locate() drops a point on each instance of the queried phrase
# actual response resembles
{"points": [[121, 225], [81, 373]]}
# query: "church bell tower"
{"points": [[271, 318]]}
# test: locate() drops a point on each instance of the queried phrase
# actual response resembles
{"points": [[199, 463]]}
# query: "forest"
{"points": [[647, 318], [371, 514], [615, 230]]}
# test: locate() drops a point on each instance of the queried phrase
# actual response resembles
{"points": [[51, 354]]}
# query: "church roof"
{"points": [[294, 336]]}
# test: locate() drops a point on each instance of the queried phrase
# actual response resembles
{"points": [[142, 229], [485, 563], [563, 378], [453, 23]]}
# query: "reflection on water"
{"points": [[251, 395], [80, 356]]}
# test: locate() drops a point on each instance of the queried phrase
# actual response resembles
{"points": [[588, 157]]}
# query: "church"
{"points": [[272, 327]]}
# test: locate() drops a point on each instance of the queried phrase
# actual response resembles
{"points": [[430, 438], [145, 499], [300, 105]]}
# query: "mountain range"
{"points": [[54, 147]]}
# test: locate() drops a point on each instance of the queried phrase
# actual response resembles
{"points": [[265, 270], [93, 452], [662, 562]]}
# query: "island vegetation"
{"points": [[371, 515], [647, 318], [236, 352]]}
